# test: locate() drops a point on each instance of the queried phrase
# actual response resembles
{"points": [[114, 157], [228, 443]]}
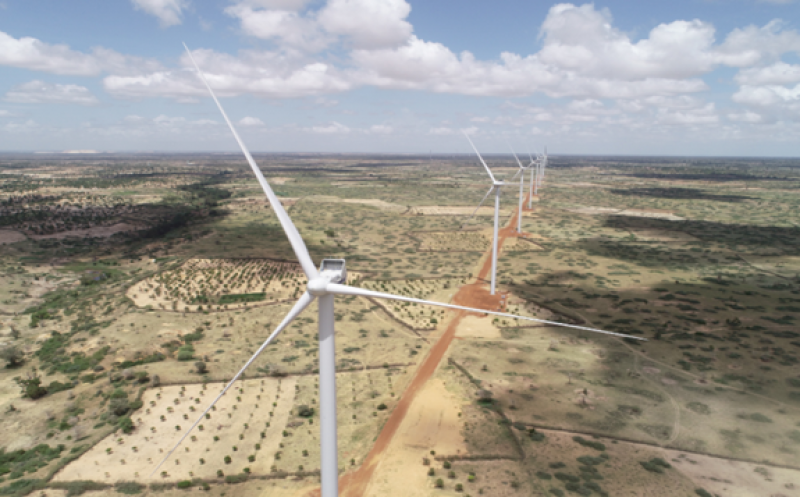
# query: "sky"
{"points": [[683, 77]]}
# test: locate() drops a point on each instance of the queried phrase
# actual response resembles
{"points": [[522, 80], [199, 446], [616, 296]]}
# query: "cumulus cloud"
{"points": [[289, 27], [380, 129], [168, 12], [779, 73], [368, 24], [331, 129], [746, 117], [36, 55], [38, 92], [260, 73], [33, 54], [250, 121]]}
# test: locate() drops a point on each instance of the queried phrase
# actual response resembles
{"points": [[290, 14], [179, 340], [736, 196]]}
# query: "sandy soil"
{"points": [[626, 212], [733, 478], [373, 202], [437, 210], [134, 456], [475, 327], [11, 236], [431, 423]]}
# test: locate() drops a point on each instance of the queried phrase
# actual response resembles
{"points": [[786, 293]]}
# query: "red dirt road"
{"points": [[475, 294]]}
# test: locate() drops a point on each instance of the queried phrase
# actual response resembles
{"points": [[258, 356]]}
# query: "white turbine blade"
{"points": [[298, 307], [515, 156], [481, 158], [479, 205], [299, 247], [361, 292], [517, 174]]}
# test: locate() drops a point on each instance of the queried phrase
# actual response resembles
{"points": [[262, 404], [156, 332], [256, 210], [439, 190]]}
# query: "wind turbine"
{"points": [[534, 167], [496, 188], [521, 174], [323, 284]]}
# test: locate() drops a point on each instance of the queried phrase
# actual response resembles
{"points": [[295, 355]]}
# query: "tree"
{"points": [[32, 387], [201, 367], [13, 356]]}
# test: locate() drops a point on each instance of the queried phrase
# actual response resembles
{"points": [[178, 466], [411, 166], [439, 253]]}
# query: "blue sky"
{"points": [[685, 77]]}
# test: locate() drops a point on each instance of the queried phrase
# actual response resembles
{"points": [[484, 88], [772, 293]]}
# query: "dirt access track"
{"points": [[475, 294]]}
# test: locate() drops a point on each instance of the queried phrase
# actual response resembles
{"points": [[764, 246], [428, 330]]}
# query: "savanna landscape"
{"points": [[134, 287]]}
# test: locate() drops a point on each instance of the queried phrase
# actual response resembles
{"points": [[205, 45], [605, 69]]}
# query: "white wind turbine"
{"points": [[521, 174], [534, 167], [496, 189], [323, 284]]}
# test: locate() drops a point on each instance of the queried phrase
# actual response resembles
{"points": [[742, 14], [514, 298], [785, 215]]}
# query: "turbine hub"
{"points": [[318, 286]]}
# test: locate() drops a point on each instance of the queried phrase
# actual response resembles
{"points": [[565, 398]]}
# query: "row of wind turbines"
{"points": [[323, 285], [537, 168]]}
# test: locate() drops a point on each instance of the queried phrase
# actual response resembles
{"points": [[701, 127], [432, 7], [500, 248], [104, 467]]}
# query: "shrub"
{"points": [[382, 406], [459, 487], [236, 478], [129, 487], [185, 484], [702, 492], [220, 474], [227, 459], [125, 424], [439, 483], [589, 443]]}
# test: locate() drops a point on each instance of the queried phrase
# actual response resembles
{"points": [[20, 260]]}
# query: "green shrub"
{"points": [[240, 478], [589, 443], [184, 484], [129, 487]]}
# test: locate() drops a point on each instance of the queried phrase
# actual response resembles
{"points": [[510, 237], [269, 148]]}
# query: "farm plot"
{"points": [[242, 433], [452, 241], [219, 284], [416, 316]]}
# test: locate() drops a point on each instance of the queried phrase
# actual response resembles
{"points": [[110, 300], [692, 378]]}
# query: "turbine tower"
{"points": [[323, 284], [534, 167], [496, 188], [521, 174]]}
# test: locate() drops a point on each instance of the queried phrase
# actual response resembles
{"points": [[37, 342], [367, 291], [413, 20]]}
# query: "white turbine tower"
{"points": [[323, 284], [521, 174], [496, 188], [534, 167]]}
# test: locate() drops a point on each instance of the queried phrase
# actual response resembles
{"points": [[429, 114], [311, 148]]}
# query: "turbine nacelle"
{"points": [[330, 271]]}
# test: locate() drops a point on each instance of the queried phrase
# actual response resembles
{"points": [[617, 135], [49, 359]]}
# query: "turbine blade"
{"points": [[479, 205], [481, 158], [515, 156], [518, 173], [361, 292], [299, 247], [298, 307]]}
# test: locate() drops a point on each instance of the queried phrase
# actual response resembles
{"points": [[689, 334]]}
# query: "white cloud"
{"points": [[746, 117], [766, 96], [331, 129], [250, 121], [267, 74], [33, 54], [380, 129], [441, 131], [5, 113], [133, 119], [779, 73], [38, 92], [368, 24], [290, 28], [30, 53], [168, 12]]}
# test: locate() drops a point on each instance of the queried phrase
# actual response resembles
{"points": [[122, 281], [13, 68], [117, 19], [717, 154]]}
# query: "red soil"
{"points": [[475, 294]]}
